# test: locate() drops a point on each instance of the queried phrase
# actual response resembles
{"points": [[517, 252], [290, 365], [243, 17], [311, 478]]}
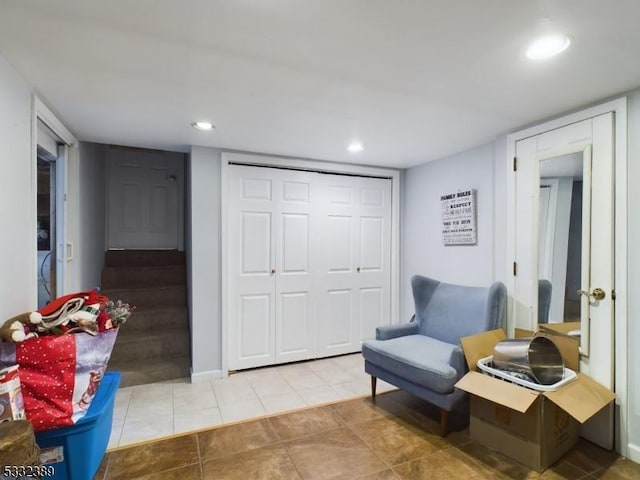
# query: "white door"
{"points": [[296, 265], [144, 199], [354, 281], [271, 283], [593, 139], [251, 268]]}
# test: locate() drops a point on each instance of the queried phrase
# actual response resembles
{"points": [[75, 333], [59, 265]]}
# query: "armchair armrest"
{"points": [[392, 331], [457, 361]]}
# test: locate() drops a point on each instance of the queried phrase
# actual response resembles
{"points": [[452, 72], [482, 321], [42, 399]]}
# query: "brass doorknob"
{"points": [[597, 294]]}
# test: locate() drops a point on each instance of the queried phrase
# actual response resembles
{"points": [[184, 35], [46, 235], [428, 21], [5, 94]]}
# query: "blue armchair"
{"points": [[424, 356]]}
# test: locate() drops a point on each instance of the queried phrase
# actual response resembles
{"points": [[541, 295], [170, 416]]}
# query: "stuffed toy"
{"points": [[21, 327]]}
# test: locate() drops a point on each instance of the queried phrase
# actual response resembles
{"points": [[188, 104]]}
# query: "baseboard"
{"points": [[199, 377], [633, 452]]}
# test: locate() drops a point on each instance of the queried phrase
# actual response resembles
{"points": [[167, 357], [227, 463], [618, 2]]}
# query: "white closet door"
{"points": [[251, 262], [295, 265], [354, 255], [309, 264], [373, 273]]}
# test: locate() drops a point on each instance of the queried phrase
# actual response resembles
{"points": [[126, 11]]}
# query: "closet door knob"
{"points": [[273, 271], [358, 269]]}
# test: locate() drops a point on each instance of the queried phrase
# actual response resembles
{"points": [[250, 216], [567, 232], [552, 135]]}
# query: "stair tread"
{"points": [[107, 291], [151, 370], [145, 267], [150, 362], [150, 310], [165, 332]]}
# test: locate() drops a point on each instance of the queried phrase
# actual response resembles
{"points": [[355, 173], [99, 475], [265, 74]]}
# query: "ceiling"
{"points": [[413, 80]]}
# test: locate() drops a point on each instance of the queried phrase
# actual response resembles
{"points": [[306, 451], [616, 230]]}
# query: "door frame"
{"points": [[320, 166], [619, 108], [66, 168]]}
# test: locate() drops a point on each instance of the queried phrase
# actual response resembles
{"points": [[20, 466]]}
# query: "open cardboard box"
{"points": [[534, 428]]}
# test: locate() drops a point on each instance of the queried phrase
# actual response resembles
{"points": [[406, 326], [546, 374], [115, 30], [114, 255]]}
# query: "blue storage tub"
{"points": [[81, 447]]}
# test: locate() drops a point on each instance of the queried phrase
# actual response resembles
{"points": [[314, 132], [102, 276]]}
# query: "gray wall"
{"points": [[202, 244], [633, 262], [90, 244], [423, 251]]}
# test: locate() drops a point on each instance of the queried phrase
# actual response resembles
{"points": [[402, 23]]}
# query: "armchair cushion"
{"points": [[417, 358]]}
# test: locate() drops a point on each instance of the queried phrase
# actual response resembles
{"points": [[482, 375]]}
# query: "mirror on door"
{"points": [[560, 251]]}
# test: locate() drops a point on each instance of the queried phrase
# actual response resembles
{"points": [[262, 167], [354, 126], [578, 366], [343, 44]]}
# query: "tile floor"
{"points": [[154, 411], [393, 439]]}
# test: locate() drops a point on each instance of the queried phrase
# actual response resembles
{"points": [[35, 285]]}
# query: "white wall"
{"points": [[423, 251], [633, 286], [17, 196], [203, 261]]}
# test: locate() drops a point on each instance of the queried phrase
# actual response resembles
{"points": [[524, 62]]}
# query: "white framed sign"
{"points": [[459, 218]]}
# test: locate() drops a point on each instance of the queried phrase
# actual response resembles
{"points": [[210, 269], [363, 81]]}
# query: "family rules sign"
{"points": [[459, 218]]}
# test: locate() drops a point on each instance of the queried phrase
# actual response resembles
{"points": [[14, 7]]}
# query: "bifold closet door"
{"points": [[354, 254], [309, 264], [296, 266], [271, 299]]}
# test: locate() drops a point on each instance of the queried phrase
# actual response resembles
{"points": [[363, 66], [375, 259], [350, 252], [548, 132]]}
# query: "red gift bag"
{"points": [[59, 374]]}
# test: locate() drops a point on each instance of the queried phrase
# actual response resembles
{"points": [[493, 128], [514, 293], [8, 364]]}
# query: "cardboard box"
{"points": [[11, 403], [564, 328], [534, 428]]}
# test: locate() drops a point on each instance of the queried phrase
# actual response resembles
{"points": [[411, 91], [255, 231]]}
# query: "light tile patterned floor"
{"points": [[158, 410]]}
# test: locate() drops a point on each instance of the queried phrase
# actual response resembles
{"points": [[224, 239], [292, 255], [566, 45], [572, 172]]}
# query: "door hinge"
{"points": [[515, 269], [515, 164], [613, 294]]}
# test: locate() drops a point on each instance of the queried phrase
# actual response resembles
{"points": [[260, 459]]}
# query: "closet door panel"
{"points": [[255, 243], [371, 310], [295, 243], [252, 297], [372, 244], [338, 323], [338, 237], [294, 334], [336, 251], [373, 277], [295, 309], [255, 328]]}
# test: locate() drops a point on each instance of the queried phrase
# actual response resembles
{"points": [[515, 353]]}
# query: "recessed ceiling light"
{"points": [[548, 46], [355, 147], [206, 126]]}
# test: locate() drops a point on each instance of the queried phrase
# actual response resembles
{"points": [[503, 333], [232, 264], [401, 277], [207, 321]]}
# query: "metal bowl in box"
{"points": [[537, 357]]}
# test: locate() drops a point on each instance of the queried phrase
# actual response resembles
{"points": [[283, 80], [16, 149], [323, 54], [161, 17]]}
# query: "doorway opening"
{"points": [[50, 200]]}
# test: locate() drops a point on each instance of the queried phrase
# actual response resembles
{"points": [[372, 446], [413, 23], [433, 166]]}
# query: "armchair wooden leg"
{"points": [[373, 386], [444, 417]]}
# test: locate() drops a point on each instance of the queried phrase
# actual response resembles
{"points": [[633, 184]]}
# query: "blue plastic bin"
{"points": [[84, 444]]}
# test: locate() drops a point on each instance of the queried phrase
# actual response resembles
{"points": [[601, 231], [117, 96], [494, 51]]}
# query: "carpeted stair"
{"points": [[153, 346]]}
